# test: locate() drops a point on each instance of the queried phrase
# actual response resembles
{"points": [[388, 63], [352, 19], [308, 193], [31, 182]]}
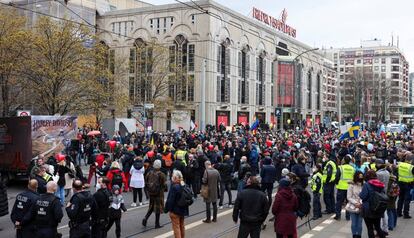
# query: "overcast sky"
{"points": [[339, 23]]}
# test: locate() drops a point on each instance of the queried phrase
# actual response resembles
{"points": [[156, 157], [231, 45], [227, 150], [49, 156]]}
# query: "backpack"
{"points": [[304, 199], [153, 183], [378, 203], [394, 190], [186, 197], [117, 179]]}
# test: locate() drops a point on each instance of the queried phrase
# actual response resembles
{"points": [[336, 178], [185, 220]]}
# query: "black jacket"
{"points": [[179, 165], [52, 208], [23, 206], [103, 200], [83, 207], [268, 173], [251, 206], [41, 184], [244, 169], [225, 169]]}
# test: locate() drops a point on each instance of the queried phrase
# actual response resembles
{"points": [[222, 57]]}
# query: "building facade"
{"points": [[250, 68], [373, 81]]}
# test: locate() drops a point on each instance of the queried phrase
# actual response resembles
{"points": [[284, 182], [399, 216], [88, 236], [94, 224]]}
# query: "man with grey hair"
{"points": [[212, 179], [155, 182], [47, 212]]}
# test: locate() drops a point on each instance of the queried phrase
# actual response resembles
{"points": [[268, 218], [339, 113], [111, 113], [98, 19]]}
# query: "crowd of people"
{"points": [[372, 176]]}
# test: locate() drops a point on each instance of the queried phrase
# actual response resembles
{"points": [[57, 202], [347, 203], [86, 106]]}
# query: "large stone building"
{"points": [[250, 67], [373, 80]]}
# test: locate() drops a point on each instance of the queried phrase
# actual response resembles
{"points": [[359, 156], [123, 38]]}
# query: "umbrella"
{"points": [[94, 133]]}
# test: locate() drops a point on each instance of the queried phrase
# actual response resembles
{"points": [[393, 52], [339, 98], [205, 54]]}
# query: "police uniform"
{"points": [[346, 174], [405, 181], [82, 208], [47, 214], [316, 186], [21, 213], [182, 155], [328, 178], [103, 200]]}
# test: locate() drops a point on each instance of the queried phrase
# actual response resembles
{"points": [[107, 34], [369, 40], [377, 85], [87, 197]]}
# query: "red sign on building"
{"points": [[279, 24], [286, 83]]}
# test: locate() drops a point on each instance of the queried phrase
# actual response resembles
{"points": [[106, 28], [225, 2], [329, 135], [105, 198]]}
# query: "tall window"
{"points": [[140, 69], [223, 69], [261, 79], [244, 69], [181, 61], [318, 90], [308, 91]]}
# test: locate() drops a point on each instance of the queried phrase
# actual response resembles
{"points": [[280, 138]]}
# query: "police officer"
{"points": [[316, 186], [328, 179], [80, 209], [346, 173], [103, 200], [47, 212], [22, 208], [405, 181]]}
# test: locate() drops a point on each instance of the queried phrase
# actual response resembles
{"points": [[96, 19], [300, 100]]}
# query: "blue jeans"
{"points": [[392, 218], [241, 186], [356, 224], [61, 194]]}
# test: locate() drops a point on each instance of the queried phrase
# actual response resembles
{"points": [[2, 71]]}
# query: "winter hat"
{"points": [[115, 187], [157, 164], [283, 183]]}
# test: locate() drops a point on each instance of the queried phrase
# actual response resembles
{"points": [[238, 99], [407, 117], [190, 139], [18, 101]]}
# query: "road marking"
{"points": [[197, 223], [194, 224], [307, 236], [321, 226], [318, 228]]}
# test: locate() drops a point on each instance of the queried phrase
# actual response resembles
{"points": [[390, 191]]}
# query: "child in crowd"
{"points": [[115, 213]]}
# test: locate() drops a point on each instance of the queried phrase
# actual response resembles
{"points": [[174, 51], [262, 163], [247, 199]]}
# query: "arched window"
{"points": [[244, 70], [261, 78], [181, 83], [140, 69], [223, 69]]}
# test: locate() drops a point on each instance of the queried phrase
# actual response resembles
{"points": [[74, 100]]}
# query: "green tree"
{"points": [[14, 43]]}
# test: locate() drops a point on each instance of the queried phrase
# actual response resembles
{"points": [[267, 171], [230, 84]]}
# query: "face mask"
{"points": [[98, 186], [315, 170], [324, 159]]}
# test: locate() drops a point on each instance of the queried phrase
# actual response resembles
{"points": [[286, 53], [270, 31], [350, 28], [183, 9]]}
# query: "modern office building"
{"points": [[234, 68], [373, 81]]}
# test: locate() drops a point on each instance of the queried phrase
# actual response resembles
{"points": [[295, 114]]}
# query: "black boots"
{"points": [[157, 221]]}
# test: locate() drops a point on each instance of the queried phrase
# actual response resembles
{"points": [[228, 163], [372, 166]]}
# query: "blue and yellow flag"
{"points": [[352, 132]]}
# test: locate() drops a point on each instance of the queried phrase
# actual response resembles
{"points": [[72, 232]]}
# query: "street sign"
{"points": [[278, 112], [23, 113], [149, 106], [138, 108]]}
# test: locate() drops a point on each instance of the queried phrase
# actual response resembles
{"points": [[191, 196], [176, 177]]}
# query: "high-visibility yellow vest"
{"points": [[181, 154], [314, 185], [347, 174], [405, 172], [373, 167], [325, 172]]}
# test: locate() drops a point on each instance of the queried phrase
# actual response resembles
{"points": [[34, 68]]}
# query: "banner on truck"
{"points": [[52, 134]]}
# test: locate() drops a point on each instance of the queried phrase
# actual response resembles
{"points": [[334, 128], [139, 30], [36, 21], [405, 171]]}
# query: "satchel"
{"points": [[204, 189]]}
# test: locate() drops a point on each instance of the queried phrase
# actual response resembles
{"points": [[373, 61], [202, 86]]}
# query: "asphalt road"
{"points": [[132, 227]]}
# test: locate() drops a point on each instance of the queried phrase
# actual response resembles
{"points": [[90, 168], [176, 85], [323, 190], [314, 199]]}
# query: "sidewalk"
{"points": [[342, 229]]}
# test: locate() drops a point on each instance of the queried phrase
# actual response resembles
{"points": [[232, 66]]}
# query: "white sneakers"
{"points": [[133, 204], [230, 206], [140, 203], [221, 207]]}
